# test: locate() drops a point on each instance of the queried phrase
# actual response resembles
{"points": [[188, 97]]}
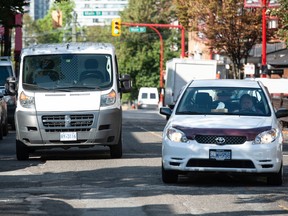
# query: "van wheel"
{"points": [[22, 151], [169, 176], [275, 179], [116, 150]]}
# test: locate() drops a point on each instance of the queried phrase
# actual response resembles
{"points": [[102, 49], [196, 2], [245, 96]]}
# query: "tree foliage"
{"points": [[227, 26], [45, 31], [282, 13], [139, 53]]}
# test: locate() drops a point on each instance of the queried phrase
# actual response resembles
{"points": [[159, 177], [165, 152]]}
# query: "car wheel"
{"points": [[22, 151], [169, 176], [116, 150], [275, 179]]}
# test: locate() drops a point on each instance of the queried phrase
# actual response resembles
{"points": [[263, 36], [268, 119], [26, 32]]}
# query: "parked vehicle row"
{"points": [[7, 101]]}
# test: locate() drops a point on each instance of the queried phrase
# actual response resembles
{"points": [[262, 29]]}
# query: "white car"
{"points": [[209, 131]]}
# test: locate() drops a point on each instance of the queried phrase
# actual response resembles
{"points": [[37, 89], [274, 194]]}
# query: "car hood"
{"points": [[209, 121], [248, 126]]}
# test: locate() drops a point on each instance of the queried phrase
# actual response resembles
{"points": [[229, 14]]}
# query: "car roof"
{"points": [[225, 83], [5, 60]]}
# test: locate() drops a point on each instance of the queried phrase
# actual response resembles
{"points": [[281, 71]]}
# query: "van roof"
{"points": [[69, 48]]}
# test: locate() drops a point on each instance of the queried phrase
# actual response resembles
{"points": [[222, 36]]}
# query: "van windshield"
{"points": [[67, 71]]}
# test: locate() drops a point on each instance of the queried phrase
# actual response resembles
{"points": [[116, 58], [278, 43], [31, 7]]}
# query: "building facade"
{"points": [[38, 8]]}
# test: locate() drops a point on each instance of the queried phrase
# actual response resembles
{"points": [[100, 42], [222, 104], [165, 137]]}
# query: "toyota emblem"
{"points": [[220, 140]]}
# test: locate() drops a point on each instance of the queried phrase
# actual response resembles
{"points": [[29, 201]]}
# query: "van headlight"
{"points": [[266, 137], [108, 99], [26, 101], [176, 135]]}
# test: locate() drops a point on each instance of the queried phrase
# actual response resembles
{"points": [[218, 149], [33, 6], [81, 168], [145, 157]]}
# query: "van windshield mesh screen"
{"points": [[67, 71]]}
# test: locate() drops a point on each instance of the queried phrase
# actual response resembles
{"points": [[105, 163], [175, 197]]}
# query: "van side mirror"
{"points": [[10, 86], [125, 82]]}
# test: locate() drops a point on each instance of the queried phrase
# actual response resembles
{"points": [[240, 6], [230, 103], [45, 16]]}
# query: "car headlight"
{"points": [[26, 101], [176, 135], [266, 137], [108, 99]]}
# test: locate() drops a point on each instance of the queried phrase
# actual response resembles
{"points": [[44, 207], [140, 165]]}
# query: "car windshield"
{"points": [[223, 101], [70, 72]]}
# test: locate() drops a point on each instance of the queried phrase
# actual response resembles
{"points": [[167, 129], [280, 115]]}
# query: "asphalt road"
{"points": [[88, 182]]}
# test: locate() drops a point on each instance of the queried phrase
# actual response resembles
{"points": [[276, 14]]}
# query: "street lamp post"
{"points": [[264, 4], [264, 68]]}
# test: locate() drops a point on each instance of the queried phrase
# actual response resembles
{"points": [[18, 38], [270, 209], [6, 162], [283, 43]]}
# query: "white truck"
{"points": [[69, 95], [180, 71]]}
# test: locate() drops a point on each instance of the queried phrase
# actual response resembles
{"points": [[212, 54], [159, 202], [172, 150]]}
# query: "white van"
{"points": [[148, 97], [69, 96]]}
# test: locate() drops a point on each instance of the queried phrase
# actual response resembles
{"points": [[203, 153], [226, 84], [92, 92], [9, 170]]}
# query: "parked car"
{"points": [[3, 116], [148, 98], [7, 70], [205, 133]]}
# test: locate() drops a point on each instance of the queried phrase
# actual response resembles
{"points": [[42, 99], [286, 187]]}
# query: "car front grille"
{"points": [[65, 123], [220, 140]]}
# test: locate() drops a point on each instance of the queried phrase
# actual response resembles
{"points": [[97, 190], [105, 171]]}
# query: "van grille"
{"points": [[63, 123]]}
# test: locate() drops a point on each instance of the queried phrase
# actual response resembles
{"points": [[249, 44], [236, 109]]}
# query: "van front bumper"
{"points": [[68, 129]]}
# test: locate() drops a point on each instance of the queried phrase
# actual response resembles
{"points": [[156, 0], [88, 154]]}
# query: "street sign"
{"points": [[92, 13], [137, 29]]}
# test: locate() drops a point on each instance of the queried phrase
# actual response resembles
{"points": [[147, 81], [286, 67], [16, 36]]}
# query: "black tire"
{"points": [[275, 179], [22, 151], [116, 150], [169, 176]]}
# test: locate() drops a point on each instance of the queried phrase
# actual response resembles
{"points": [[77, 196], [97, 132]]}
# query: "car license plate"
{"points": [[68, 136], [220, 154]]}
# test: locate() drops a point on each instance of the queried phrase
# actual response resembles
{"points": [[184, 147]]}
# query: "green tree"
{"points": [[229, 28], [44, 29], [282, 13], [139, 53]]}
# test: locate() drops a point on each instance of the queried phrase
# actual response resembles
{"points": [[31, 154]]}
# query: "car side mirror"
{"points": [[125, 82]]}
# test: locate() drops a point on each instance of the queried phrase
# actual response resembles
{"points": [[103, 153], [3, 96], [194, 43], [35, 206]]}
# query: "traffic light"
{"points": [[116, 27]]}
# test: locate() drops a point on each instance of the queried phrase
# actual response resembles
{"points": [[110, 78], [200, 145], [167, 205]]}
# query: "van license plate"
{"points": [[68, 136], [220, 154]]}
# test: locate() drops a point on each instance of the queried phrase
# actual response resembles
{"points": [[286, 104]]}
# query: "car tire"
{"points": [[22, 151], [169, 176], [116, 150], [275, 179]]}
